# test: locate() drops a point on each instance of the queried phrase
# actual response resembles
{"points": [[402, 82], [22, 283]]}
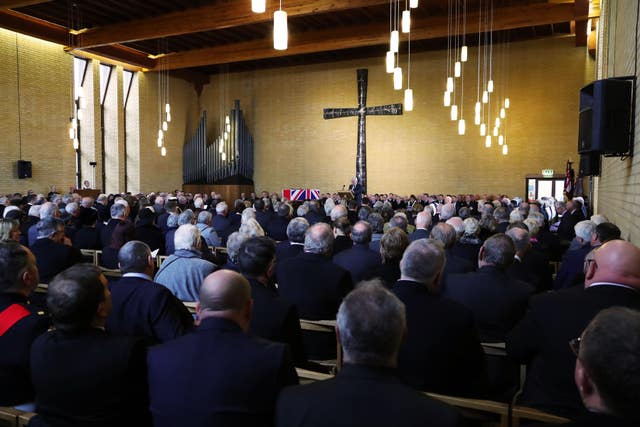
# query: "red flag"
{"points": [[569, 181]]}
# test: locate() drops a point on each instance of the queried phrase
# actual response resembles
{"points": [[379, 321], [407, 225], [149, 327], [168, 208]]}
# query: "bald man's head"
{"points": [[423, 219], [226, 294], [616, 261]]}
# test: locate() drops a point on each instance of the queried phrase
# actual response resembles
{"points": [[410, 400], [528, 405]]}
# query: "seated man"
{"points": [[423, 226], [573, 259], [366, 392], [140, 306], [20, 322], [497, 301], [607, 371], [359, 260], [540, 339], [442, 353], [273, 318], [342, 235], [185, 270], [294, 244], [82, 375], [277, 228], [53, 251], [218, 375]]}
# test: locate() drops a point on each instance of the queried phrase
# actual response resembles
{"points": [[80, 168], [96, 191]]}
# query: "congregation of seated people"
{"points": [[417, 288]]}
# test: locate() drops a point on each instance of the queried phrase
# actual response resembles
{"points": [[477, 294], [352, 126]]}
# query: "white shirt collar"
{"points": [[619, 285], [140, 275]]}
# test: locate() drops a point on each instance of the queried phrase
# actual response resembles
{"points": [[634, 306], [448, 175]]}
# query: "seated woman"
{"points": [[9, 230], [392, 246]]}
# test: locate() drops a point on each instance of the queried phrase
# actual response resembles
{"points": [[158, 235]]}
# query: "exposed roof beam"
{"points": [[24, 24], [230, 13], [365, 35], [11, 4]]}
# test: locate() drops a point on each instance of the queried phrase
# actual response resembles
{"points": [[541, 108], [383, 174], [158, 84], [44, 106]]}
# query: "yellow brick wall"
{"points": [[619, 184], [45, 106], [419, 151]]}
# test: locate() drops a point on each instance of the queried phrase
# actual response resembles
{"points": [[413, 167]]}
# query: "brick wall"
{"points": [[619, 185]]}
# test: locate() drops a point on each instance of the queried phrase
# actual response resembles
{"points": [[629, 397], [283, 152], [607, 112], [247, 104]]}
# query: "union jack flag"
{"points": [[301, 194]]}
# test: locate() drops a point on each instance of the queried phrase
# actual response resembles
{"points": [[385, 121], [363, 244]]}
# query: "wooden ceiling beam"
{"points": [[225, 14], [365, 35], [15, 4]]}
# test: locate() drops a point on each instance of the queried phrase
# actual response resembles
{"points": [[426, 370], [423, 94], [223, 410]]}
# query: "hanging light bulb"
{"points": [[457, 68], [450, 84], [503, 113], [413, 4], [408, 100], [464, 54], [483, 129], [79, 114], [447, 98], [169, 117], [487, 141], [82, 102], [406, 21], [485, 97], [167, 108], [159, 141], [76, 143], [505, 149], [165, 126], [258, 6], [390, 62], [454, 112], [497, 122], [72, 133], [478, 107], [163, 151], [160, 134], [394, 41], [397, 78], [507, 103], [476, 119], [500, 140], [280, 31], [80, 93], [461, 127], [490, 86], [495, 131]]}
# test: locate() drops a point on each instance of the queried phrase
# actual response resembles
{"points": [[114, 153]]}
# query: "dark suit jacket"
{"points": [[107, 230], [144, 308], [87, 238], [53, 257], [152, 236], [468, 251], [534, 269], [226, 378], [341, 243], [358, 261], [388, 272], [567, 222], [276, 319], [497, 301], [361, 396], [314, 217], [419, 233], [263, 219], [221, 224], [89, 379], [357, 191], [15, 374], [541, 341], [442, 352], [285, 250], [571, 267], [277, 228]]}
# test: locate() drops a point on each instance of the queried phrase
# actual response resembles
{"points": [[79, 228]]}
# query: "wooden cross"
{"points": [[362, 111]]}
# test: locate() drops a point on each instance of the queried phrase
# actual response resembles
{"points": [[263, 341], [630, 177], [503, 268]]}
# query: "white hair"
{"points": [[584, 229], [247, 214], [122, 202], [71, 208], [221, 207], [598, 219], [198, 203], [251, 228], [9, 209], [338, 212], [187, 237], [34, 211], [329, 205]]}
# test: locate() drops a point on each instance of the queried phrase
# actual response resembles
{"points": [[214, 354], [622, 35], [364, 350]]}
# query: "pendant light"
{"points": [[280, 30], [258, 6]]}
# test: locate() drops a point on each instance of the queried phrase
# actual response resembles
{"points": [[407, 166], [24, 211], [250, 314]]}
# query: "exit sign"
{"points": [[547, 173]]}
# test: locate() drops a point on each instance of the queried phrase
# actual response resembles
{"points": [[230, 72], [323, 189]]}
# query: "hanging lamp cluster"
{"points": [[164, 107], [400, 22], [280, 27]]}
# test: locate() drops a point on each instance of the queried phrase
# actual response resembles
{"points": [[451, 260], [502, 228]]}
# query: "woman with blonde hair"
{"points": [[9, 230]]}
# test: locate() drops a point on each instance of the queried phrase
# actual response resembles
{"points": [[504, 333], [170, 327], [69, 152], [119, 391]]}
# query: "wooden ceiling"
{"points": [[202, 36]]}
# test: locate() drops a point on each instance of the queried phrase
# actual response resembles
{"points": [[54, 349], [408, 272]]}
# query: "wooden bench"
{"points": [[24, 418], [93, 254], [486, 411], [160, 259], [307, 376], [9, 416], [326, 326], [530, 414]]}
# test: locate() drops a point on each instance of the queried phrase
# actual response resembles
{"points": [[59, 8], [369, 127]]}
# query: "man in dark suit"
{"points": [[221, 376], [571, 216], [446, 235], [359, 260], [148, 232], [273, 318], [119, 213], [20, 322], [573, 259], [497, 301], [51, 251], [277, 228], [441, 353], [262, 217], [316, 213], [528, 265], [82, 375], [357, 190], [367, 392], [342, 235], [142, 307], [294, 245], [221, 223], [315, 285], [540, 339], [423, 225]]}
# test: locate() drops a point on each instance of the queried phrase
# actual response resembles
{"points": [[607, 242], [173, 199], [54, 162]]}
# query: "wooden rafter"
{"points": [[11, 4], [206, 18], [366, 35]]}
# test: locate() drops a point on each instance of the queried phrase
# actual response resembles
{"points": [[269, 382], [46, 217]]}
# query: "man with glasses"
{"points": [[540, 340]]}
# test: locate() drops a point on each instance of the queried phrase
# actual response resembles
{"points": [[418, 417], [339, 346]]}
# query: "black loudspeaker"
{"points": [[606, 117], [24, 169], [589, 164]]}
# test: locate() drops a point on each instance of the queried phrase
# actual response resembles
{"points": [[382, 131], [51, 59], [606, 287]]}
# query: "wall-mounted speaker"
{"points": [[24, 169], [589, 164], [605, 123]]}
